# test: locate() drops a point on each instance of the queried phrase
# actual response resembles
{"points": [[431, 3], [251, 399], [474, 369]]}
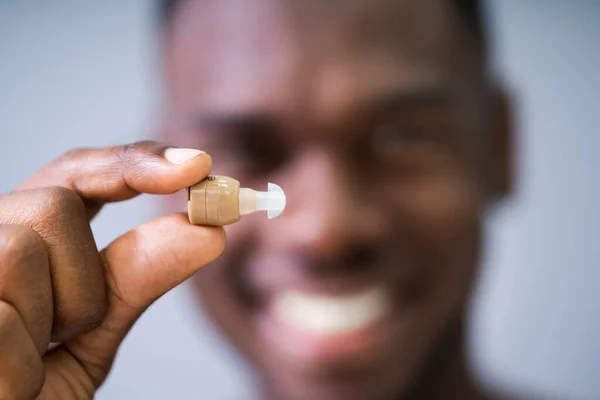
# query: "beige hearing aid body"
{"points": [[219, 200]]}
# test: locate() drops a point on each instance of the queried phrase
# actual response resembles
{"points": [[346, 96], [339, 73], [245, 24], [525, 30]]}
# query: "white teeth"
{"points": [[327, 315]]}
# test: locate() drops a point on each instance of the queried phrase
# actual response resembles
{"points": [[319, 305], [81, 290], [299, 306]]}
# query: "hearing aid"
{"points": [[219, 200]]}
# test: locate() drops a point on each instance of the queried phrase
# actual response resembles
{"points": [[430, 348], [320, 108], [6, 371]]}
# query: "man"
{"points": [[378, 120]]}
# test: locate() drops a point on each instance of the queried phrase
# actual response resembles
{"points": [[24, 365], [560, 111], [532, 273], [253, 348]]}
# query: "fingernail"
{"points": [[178, 156]]}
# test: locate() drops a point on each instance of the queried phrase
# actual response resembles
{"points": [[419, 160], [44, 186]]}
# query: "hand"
{"points": [[55, 286]]}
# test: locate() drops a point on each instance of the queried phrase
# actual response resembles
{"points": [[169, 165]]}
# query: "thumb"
{"points": [[140, 266]]}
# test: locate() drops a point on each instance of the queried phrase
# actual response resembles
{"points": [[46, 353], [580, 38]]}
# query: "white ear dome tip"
{"points": [[273, 187], [277, 200]]}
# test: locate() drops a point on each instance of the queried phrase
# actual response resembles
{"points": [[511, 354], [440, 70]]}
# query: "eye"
{"points": [[258, 147], [395, 138]]}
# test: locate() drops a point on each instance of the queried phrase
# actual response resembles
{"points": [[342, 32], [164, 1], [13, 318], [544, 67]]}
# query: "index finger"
{"points": [[119, 173]]}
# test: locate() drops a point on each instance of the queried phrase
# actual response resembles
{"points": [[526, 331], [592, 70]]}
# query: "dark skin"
{"points": [[378, 122], [65, 306]]}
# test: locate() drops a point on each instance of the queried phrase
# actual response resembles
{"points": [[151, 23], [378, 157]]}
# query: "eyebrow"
{"points": [[376, 105], [405, 99], [238, 122]]}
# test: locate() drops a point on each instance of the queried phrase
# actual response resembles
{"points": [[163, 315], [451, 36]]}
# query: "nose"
{"points": [[327, 223]]}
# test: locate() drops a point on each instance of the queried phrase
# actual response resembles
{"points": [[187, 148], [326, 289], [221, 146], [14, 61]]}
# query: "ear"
{"points": [[501, 148]]}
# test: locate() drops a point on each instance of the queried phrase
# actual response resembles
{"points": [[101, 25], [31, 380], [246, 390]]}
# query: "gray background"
{"points": [[78, 74]]}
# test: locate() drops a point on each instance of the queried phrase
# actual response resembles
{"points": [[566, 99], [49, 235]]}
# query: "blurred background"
{"points": [[76, 74]]}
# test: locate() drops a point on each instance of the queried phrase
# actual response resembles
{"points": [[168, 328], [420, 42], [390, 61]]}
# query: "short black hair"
{"points": [[165, 10], [469, 10]]}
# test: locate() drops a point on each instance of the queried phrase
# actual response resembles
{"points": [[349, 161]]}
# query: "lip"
{"points": [[264, 276], [361, 346]]}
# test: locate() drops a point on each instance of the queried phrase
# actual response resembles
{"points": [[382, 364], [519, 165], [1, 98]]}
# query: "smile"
{"points": [[329, 315]]}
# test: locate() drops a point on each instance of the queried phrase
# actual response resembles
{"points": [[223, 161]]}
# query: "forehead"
{"points": [[269, 55]]}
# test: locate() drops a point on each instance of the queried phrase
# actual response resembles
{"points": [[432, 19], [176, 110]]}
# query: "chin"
{"points": [[352, 382], [345, 355]]}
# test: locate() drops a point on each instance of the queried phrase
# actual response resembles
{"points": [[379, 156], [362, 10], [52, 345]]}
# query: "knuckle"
{"points": [[58, 202], [133, 151], [73, 154], [18, 244], [83, 310], [8, 318], [61, 196], [84, 319], [92, 316], [57, 209], [137, 159], [70, 159]]}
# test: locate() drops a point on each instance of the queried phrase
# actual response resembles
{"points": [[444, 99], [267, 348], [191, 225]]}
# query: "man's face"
{"points": [[370, 115]]}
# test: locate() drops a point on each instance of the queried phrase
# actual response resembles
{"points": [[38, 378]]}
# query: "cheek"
{"points": [[446, 209], [440, 221]]}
